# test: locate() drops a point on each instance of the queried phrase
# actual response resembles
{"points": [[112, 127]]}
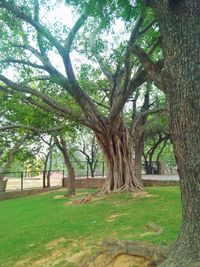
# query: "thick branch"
{"points": [[17, 11], [39, 36], [147, 27], [23, 62], [11, 154], [129, 51], [153, 70], [155, 118], [159, 111], [138, 79], [47, 100], [73, 33]]}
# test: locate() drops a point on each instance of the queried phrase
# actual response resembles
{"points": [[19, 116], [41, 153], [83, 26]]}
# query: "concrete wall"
{"points": [[16, 194], [98, 183]]}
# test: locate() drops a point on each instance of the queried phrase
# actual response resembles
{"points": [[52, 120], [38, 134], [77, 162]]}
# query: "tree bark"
{"points": [[62, 146], [50, 163], [139, 144], [92, 169], [179, 23], [117, 148]]}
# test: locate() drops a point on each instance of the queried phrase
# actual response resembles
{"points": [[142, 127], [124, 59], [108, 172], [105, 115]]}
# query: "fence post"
{"points": [[22, 181], [48, 178], [44, 176], [63, 179], [87, 170], [103, 169]]}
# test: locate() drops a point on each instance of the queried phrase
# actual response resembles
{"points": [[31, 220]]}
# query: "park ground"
{"points": [[50, 230]]}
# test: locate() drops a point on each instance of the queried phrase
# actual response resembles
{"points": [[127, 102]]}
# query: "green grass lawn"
{"points": [[35, 227]]}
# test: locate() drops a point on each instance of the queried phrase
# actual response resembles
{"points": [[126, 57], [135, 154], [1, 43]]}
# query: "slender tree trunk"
{"points": [[45, 170], [139, 144], [91, 169], [62, 146], [71, 175], [50, 163], [179, 22], [117, 149]]}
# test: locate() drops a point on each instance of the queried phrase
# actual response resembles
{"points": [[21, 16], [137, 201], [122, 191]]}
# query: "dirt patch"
{"points": [[55, 242], [43, 262], [113, 217], [142, 194], [154, 229], [59, 196], [123, 260], [70, 254], [111, 253], [85, 200], [118, 253]]}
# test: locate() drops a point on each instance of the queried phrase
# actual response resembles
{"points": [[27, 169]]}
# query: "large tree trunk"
{"points": [[179, 22], [118, 153]]}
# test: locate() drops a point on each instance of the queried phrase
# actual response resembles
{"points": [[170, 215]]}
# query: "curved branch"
{"points": [[47, 100], [153, 70], [71, 116], [138, 79], [73, 32], [19, 13], [129, 50], [23, 62], [31, 128]]}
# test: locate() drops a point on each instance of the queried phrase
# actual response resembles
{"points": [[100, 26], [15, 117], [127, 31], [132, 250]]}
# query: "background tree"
{"points": [[157, 138], [62, 146], [9, 148], [44, 134], [89, 148], [148, 108], [120, 80]]}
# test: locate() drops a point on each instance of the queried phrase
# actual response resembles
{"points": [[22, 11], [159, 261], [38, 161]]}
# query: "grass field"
{"points": [[44, 230]]}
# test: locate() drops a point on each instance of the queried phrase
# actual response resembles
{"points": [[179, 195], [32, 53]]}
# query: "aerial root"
{"points": [[125, 188]]}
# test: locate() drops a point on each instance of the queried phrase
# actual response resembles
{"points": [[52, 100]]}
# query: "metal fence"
{"points": [[82, 169], [160, 168], [25, 180]]}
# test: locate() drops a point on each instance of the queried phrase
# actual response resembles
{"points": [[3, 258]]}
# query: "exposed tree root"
{"points": [[125, 188], [113, 249], [70, 194]]}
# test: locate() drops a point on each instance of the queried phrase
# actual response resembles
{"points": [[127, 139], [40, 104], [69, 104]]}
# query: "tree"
{"points": [[9, 150], [179, 26], [156, 140], [62, 146], [46, 128], [143, 118], [89, 148], [121, 81]]}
